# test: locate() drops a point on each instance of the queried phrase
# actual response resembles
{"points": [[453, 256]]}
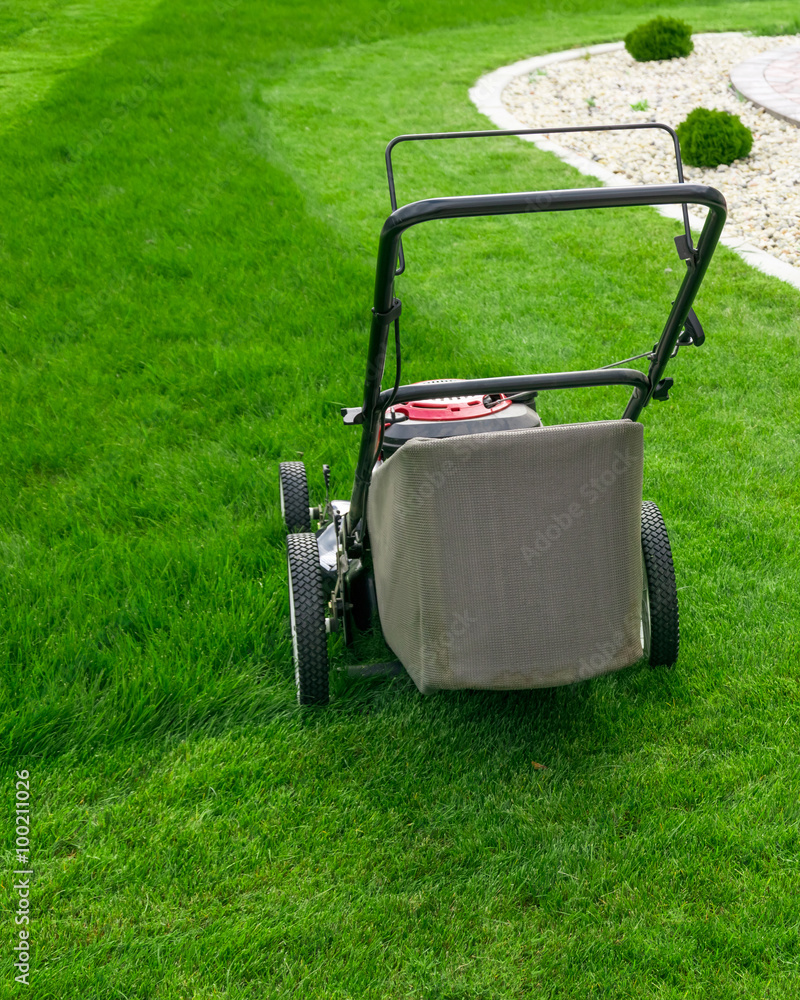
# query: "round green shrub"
{"points": [[661, 38], [709, 138]]}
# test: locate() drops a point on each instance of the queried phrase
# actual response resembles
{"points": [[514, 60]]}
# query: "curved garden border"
{"points": [[487, 93], [752, 81]]}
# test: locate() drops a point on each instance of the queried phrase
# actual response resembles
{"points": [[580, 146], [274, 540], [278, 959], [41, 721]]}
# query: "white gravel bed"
{"points": [[762, 190]]}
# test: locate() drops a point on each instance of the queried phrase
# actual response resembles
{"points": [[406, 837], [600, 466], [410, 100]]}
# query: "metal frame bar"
{"points": [[517, 383], [487, 133], [512, 204]]}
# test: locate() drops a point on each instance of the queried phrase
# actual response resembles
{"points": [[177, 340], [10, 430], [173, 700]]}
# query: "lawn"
{"points": [[192, 195]]}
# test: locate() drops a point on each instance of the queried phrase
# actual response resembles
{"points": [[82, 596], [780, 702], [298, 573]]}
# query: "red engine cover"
{"points": [[449, 407]]}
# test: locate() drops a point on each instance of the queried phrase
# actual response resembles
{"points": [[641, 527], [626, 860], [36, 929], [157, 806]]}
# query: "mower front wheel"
{"points": [[294, 496], [307, 613], [660, 622]]}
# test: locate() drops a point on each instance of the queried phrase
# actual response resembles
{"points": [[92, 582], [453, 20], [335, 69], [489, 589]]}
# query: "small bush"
{"points": [[709, 138], [661, 38]]}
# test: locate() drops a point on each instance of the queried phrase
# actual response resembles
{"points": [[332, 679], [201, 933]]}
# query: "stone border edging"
{"points": [[487, 93], [749, 79]]}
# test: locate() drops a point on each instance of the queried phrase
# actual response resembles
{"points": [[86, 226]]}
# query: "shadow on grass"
{"points": [[604, 712]]}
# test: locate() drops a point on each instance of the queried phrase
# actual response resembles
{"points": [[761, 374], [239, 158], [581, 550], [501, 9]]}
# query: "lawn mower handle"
{"points": [[385, 308], [523, 133]]}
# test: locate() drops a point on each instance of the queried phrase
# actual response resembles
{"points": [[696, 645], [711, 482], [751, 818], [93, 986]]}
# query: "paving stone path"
{"points": [[772, 81]]}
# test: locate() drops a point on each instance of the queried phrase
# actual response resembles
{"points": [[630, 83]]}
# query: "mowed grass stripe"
{"points": [[41, 39]]}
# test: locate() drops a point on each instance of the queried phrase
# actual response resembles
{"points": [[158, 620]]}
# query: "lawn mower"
{"points": [[497, 553]]}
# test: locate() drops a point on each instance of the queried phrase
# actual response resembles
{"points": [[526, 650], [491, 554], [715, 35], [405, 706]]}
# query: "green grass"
{"points": [[187, 249], [42, 39]]}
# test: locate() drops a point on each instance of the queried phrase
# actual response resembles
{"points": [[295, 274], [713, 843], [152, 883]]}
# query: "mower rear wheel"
{"points": [[294, 496], [307, 613], [660, 622]]}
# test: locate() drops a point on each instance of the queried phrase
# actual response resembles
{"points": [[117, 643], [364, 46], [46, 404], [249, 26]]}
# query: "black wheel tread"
{"points": [[311, 665], [295, 496], [662, 590]]}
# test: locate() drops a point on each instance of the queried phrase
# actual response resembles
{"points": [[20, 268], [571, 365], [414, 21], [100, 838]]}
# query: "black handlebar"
{"points": [[487, 133], [385, 306]]}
